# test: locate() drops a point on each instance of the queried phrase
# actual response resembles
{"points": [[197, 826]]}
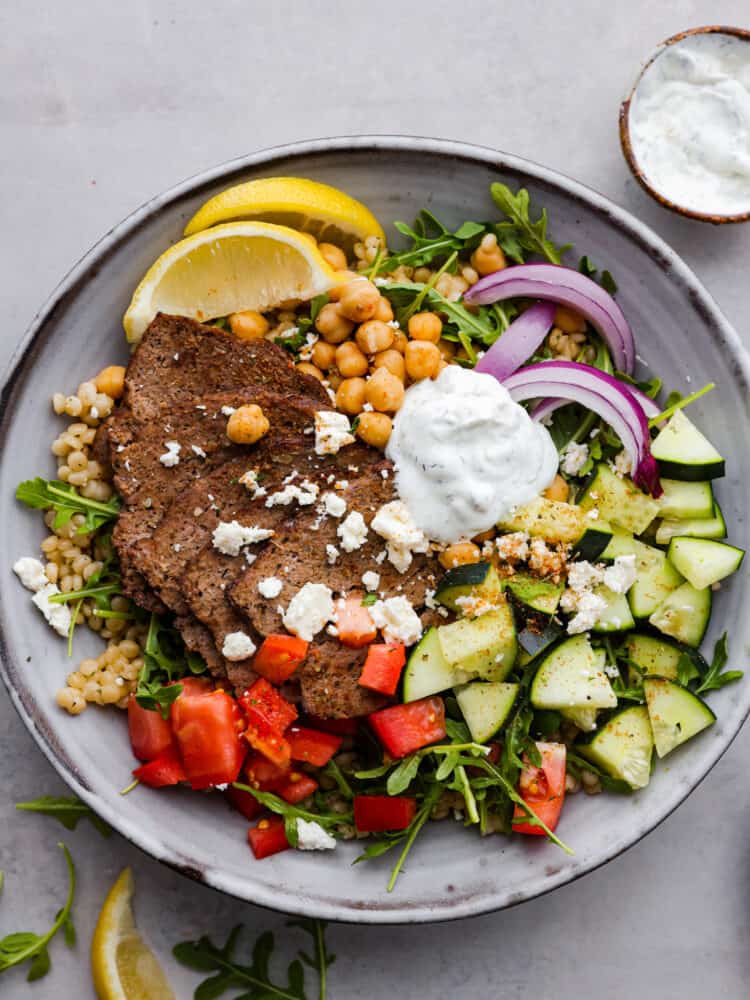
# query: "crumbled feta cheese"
{"points": [[31, 573], [611, 669], [513, 547], [250, 558], [371, 580], [394, 523], [332, 432], [306, 350], [574, 457], [584, 575], [621, 575], [381, 557], [622, 465], [270, 586], [593, 514], [429, 599], [237, 646], [546, 561], [312, 837], [332, 554], [171, 456], [352, 531], [230, 537], [397, 619], [249, 480], [474, 605], [228, 410], [57, 615], [589, 608], [197, 450], [305, 494], [309, 611], [333, 504]]}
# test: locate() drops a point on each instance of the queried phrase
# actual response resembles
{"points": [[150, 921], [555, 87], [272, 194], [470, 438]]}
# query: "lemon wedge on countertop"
{"points": [[325, 212], [236, 266], [123, 966]]}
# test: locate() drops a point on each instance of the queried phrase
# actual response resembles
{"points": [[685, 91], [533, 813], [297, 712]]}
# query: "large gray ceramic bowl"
{"points": [[452, 872]]}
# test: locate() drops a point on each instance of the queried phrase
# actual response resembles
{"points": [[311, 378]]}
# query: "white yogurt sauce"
{"points": [[690, 123], [466, 454]]}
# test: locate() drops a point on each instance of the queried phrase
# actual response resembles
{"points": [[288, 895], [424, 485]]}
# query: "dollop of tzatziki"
{"points": [[466, 454], [689, 123]]}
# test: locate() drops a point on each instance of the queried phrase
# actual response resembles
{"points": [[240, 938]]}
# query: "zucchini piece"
{"points": [[623, 747], [684, 614], [682, 500], [652, 655], [485, 647], [703, 561], [533, 642], [552, 520], [683, 452], [572, 676], [617, 616], [656, 576], [619, 501], [595, 538], [705, 527], [622, 543], [427, 671], [584, 718], [485, 705], [474, 580], [676, 713], [539, 595]]}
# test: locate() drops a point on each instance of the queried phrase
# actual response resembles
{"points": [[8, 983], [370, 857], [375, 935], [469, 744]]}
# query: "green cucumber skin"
{"points": [[592, 543], [691, 473]]}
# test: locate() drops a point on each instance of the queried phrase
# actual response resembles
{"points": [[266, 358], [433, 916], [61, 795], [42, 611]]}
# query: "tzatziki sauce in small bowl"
{"points": [[685, 126]]}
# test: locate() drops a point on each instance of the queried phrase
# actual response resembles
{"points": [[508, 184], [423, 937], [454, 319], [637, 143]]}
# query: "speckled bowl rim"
{"points": [[284, 156], [716, 219]]}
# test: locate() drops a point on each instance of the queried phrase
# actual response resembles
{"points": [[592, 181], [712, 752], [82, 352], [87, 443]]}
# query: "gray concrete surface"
{"points": [[102, 105]]}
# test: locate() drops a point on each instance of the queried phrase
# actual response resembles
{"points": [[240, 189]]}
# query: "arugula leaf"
{"points": [[369, 599], [292, 812], [606, 280], [164, 662], [68, 811], [576, 764], [687, 671], [403, 775], [412, 831], [67, 501], [485, 325], [431, 241], [255, 977], [716, 677], [26, 946], [521, 234]]}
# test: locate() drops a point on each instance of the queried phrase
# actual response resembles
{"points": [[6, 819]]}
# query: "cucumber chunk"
{"points": [[485, 706], [703, 561], [427, 671], [676, 713], [539, 595], [624, 746], [682, 500], [552, 520], [474, 580], [652, 656], [683, 452], [705, 527], [572, 676], [684, 614], [533, 642], [584, 718], [485, 647], [656, 577], [594, 540], [617, 616], [619, 501]]}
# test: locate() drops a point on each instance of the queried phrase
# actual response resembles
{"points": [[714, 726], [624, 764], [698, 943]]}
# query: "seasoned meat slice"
{"points": [[328, 681]]}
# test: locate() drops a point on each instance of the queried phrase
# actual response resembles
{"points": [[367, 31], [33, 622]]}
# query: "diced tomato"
{"points": [[340, 727], [542, 788], [207, 729], [263, 698], [298, 787], [377, 813], [268, 837], [402, 729], [264, 738], [353, 621], [263, 774], [150, 734], [164, 770], [279, 656], [383, 666], [243, 802], [312, 746], [193, 687]]}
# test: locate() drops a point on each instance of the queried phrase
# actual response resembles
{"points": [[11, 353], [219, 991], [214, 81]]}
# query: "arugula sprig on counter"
{"points": [[68, 810], [254, 977], [66, 501]]}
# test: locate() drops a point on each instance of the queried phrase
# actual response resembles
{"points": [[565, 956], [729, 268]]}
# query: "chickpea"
{"points": [[422, 275], [374, 428], [422, 360], [333, 256], [385, 392], [447, 349], [111, 381], [558, 489], [384, 311], [334, 380], [307, 369], [374, 336], [359, 300], [569, 321], [249, 325], [393, 361], [331, 325], [335, 293], [400, 340], [351, 395], [460, 554], [425, 326], [484, 536], [323, 355], [247, 424], [350, 361], [488, 257]]}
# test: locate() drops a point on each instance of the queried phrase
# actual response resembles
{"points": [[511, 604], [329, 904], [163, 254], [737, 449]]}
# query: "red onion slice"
{"points": [[547, 407], [563, 285], [517, 344]]}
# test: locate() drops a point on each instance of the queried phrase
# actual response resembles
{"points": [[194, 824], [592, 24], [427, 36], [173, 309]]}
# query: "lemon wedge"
{"points": [[123, 966], [236, 266], [325, 212]]}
